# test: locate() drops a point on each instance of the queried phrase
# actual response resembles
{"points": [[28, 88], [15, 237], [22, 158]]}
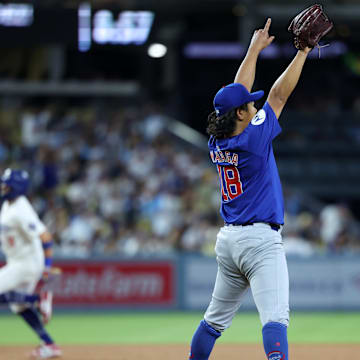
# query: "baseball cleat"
{"points": [[46, 351], [45, 306]]}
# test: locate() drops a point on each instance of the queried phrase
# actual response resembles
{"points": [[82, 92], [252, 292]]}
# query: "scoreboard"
{"points": [[83, 27], [106, 27]]}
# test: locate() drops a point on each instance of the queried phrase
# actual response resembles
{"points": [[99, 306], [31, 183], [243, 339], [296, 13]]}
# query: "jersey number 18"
{"points": [[231, 186]]}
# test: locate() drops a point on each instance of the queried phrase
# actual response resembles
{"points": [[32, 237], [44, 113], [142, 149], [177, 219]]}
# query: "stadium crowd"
{"points": [[110, 180]]}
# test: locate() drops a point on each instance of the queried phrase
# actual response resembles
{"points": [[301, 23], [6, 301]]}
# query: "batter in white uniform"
{"points": [[26, 244]]}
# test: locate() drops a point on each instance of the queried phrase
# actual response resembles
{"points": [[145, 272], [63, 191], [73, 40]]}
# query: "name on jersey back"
{"points": [[217, 156]]}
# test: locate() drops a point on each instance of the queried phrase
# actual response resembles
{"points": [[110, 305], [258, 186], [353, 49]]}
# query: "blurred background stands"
{"points": [[114, 134]]}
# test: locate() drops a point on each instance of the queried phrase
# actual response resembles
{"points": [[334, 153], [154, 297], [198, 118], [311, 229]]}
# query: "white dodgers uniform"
{"points": [[20, 230]]}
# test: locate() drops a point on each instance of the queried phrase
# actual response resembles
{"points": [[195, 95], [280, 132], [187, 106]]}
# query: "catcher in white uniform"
{"points": [[27, 246]]}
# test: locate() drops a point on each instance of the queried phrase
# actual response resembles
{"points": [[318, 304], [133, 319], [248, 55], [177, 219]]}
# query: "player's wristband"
{"points": [[48, 262], [47, 245]]}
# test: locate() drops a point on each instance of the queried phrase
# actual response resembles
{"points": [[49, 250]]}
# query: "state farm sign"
{"points": [[103, 283]]}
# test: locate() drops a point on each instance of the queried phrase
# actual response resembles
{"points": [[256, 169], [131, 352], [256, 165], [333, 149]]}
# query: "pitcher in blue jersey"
{"points": [[249, 246]]}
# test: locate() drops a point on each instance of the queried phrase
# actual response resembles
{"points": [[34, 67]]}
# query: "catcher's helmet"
{"points": [[18, 182]]}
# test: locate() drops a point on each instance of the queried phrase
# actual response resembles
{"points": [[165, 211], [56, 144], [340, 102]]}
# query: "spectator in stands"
{"points": [[117, 182]]}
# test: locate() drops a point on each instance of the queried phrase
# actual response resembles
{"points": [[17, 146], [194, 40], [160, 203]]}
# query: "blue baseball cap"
{"points": [[17, 180], [232, 96]]}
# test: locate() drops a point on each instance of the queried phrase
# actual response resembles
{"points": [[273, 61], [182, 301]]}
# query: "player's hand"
{"points": [[306, 50], [261, 38], [46, 273], [50, 272]]}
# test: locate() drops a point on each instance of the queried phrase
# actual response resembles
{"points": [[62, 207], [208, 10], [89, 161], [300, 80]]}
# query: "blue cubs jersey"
{"points": [[249, 179]]}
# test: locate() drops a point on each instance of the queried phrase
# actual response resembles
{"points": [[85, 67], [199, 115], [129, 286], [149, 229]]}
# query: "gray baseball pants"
{"points": [[249, 256]]}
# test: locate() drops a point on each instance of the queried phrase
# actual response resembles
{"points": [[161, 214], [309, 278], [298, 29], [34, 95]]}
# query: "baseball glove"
{"points": [[309, 27]]}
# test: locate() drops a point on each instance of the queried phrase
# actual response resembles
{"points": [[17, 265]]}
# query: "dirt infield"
{"points": [[180, 352]]}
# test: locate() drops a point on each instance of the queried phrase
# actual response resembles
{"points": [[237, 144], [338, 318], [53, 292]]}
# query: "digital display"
{"points": [[83, 27], [105, 27], [16, 15], [130, 27]]}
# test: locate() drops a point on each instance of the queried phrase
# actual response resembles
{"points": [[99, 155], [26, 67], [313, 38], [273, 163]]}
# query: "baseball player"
{"points": [[249, 247], [26, 244]]}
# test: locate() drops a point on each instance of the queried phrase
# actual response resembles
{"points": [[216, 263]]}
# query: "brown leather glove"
{"points": [[309, 27]]}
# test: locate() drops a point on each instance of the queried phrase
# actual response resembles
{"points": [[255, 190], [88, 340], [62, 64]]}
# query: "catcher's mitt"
{"points": [[309, 27]]}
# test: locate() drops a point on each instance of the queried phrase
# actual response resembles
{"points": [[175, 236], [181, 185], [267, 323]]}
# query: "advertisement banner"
{"points": [[325, 284], [315, 284], [115, 283]]}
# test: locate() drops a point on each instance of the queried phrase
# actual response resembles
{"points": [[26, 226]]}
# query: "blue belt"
{"points": [[274, 226]]}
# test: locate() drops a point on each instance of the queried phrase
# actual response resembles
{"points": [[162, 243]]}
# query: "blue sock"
{"points": [[16, 297], [275, 341], [32, 318], [203, 341]]}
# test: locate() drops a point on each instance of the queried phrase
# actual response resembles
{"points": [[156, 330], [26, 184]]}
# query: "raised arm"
{"points": [[260, 40], [285, 84]]}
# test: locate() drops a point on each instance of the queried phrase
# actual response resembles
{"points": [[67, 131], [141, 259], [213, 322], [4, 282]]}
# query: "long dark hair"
{"points": [[223, 126]]}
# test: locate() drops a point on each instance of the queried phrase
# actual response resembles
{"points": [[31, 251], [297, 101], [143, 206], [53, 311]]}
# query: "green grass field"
{"points": [[177, 328]]}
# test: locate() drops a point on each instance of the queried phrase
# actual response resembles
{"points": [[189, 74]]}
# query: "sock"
{"points": [[16, 297], [32, 318], [275, 341], [203, 341]]}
